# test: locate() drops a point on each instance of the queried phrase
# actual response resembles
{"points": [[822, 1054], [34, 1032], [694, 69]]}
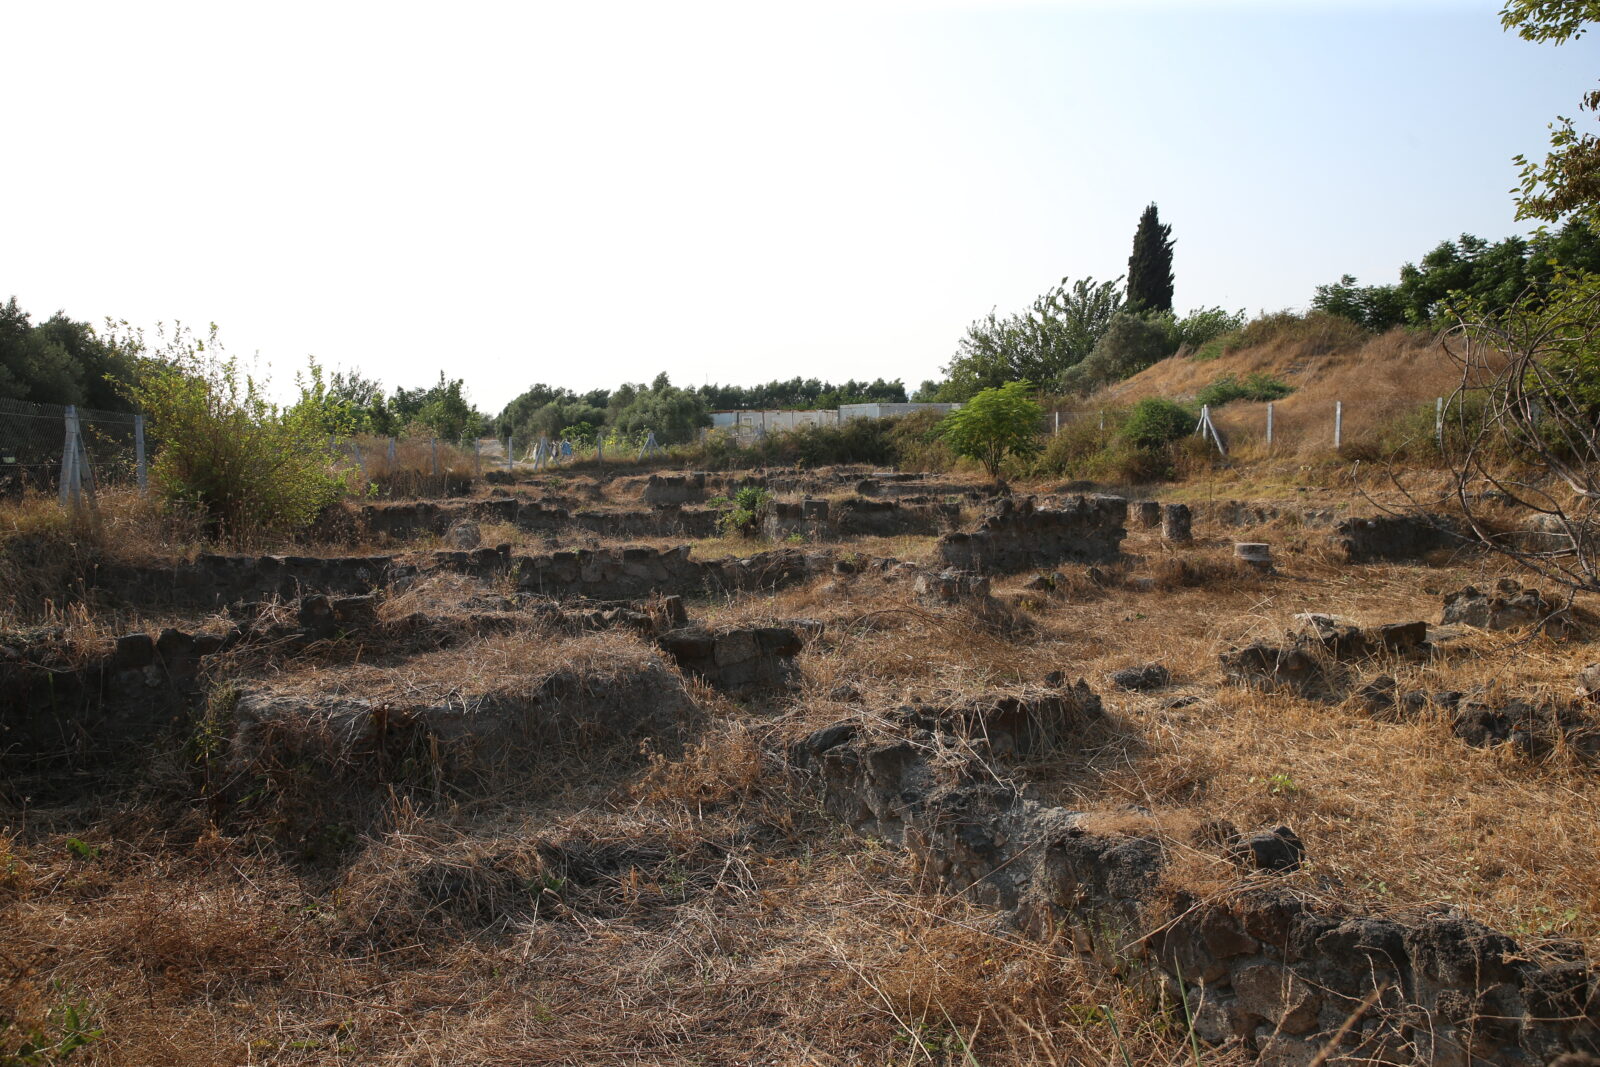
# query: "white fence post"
{"points": [[1438, 422], [1338, 425], [140, 465], [1058, 422], [1269, 426]]}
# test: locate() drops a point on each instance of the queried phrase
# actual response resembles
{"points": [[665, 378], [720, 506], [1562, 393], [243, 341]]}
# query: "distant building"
{"points": [[749, 425], [890, 411]]}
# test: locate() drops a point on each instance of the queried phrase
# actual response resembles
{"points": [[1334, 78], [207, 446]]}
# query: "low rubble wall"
{"points": [[857, 517], [1295, 980], [211, 580], [1019, 535], [1398, 538]]}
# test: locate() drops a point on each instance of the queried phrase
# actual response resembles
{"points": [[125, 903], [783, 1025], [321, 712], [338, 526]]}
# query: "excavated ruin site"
{"points": [[912, 772]]}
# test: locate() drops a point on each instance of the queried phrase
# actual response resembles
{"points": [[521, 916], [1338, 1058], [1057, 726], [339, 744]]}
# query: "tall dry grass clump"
{"points": [[47, 551], [416, 467]]}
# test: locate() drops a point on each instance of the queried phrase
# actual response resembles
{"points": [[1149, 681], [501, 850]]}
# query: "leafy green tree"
{"points": [[61, 361], [803, 394], [1150, 266], [1467, 271], [1567, 182], [1130, 344], [995, 424], [443, 409], [672, 414], [1055, 334], [1377, 307]]}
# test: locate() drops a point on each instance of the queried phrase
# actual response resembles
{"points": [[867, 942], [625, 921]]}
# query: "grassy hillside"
{"points": [[1381, 380]]}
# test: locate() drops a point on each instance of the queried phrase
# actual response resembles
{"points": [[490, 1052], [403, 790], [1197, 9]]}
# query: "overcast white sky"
{"points": [[588, 193]]}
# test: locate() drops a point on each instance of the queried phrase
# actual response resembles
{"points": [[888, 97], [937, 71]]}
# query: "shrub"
{"points": [[1217, 347], [915, 442], [1155, 422], [1258, 387], [222, 449], [1070, 453], [1320, 331], [995, 424], [1130, 344], [750, 507], [1204, 325]]}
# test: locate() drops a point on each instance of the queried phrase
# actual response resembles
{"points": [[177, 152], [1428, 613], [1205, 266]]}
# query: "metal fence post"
{"points": [[83, 467], [1338, 424], [138, 454], [69, 459]]}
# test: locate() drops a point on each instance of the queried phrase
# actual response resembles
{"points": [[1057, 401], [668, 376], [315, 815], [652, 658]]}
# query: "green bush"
{"points": [[1216, 347], [1155, 422], [1259, 387], [750, 506], [1131, 343], [220, 448], [916, 444], [1204, 325], [1072, 452]]}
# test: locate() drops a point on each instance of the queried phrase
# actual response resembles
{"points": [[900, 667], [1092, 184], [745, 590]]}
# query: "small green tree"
{"points": [[995, 424]]}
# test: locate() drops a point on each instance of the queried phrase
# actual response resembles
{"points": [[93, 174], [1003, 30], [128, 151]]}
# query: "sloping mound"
{"points": [[1379, 381]]}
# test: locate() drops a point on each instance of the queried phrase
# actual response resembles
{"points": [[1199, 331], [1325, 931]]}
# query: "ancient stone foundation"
{"points": [[1019, 535], [1295, 980], [739, 660], [1398, 538], [857, 517]]}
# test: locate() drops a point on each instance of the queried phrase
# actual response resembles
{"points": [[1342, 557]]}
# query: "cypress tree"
{"points": [[1150, 266]]}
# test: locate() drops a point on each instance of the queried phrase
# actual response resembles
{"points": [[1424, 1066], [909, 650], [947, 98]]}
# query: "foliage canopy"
{"points": [[1150, 266], [995, 424]]}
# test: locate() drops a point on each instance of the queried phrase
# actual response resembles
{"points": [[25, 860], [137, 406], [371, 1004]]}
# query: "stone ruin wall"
{"points": [[1020, 535], [1266, 966]]}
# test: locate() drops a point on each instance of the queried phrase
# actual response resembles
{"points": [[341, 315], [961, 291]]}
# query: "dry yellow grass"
{"points": [[1382, 380], [685, 906]]}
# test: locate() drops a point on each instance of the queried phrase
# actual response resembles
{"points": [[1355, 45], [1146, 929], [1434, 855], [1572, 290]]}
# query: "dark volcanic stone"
{"points": [[1141, 679], [1279, 850]]}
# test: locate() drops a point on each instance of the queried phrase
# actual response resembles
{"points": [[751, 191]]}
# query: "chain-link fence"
{"points": [[34, 448]]}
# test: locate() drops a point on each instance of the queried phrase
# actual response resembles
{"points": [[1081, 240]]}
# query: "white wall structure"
{"points": [[890, 411], [746, 426]]}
